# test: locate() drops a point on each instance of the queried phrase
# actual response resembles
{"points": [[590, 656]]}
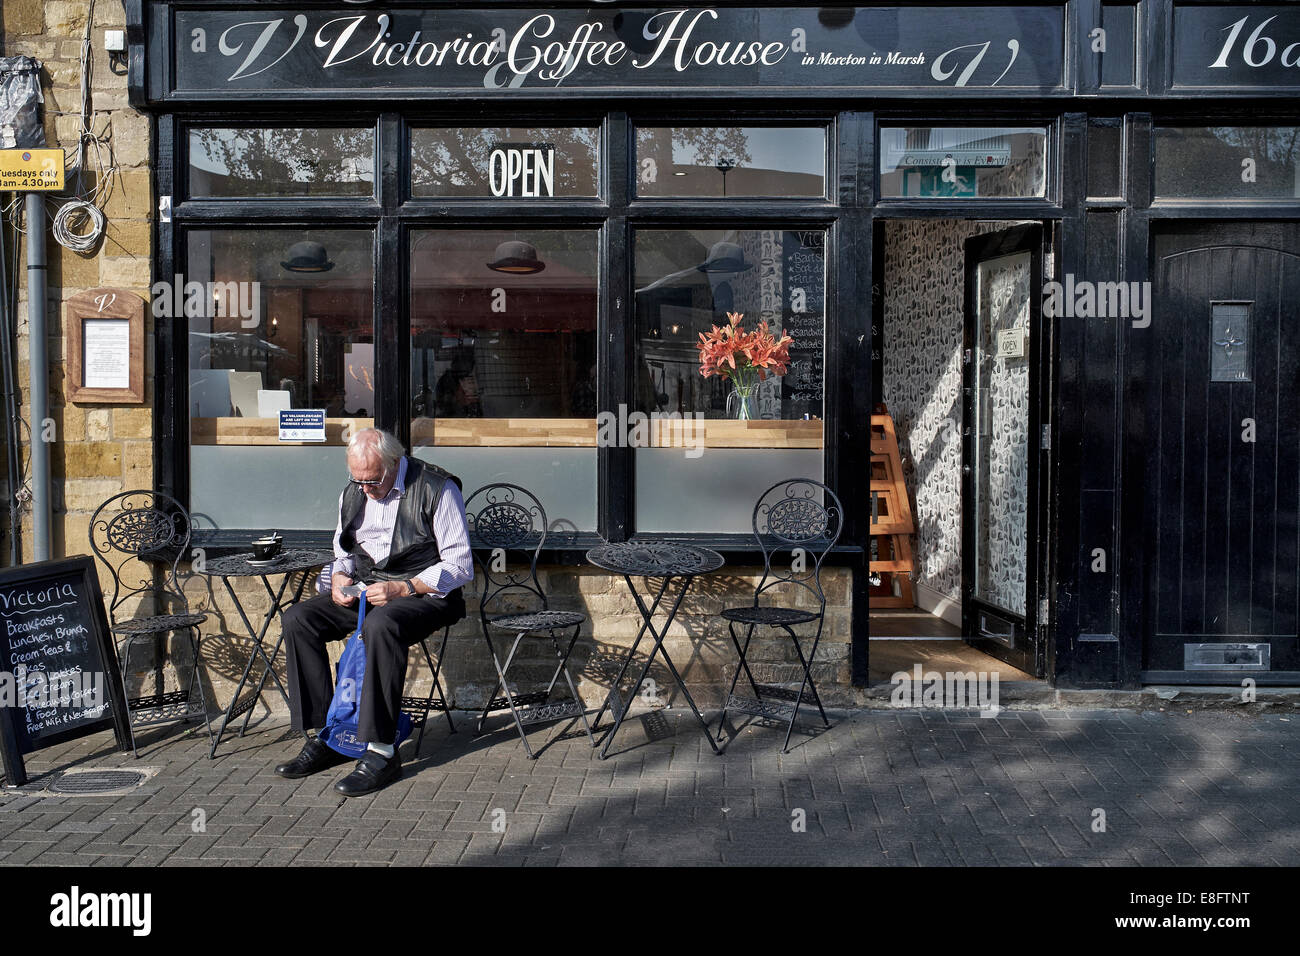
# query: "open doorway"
{"points": [[961, 372]]}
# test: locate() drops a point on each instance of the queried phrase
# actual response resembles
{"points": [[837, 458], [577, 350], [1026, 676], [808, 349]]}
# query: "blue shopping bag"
{"points": [[340, 731]]}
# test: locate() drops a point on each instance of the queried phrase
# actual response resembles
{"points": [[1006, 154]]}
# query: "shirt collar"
{"points": [[399, 485]]}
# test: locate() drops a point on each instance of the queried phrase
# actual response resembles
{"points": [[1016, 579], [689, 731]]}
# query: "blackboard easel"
{"points": [[57, 652]]}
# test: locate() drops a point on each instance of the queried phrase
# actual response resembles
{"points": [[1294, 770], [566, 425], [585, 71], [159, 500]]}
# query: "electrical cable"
{"points": [[73, 215], [79, 223]]}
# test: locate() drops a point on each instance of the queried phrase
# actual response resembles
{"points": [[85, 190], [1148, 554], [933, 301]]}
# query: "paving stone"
{"points": [[881, 788], [446, 851], [317, 851]]}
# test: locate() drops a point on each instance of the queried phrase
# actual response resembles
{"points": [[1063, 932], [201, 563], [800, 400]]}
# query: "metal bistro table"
{"points": [[242, 566], [653, 559]]}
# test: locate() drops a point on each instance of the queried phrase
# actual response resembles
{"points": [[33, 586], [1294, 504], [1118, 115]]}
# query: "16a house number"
{"points": [[1258, 49]]}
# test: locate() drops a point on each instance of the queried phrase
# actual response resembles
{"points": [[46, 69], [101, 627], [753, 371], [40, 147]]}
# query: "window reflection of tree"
{"points": [[1277, 144], [449, 162], [264, 161], [1208, 161], [711, 143], [707, 147]]}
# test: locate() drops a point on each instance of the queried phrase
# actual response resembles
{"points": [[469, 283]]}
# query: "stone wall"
{"points": [[697, 642], [98, 449]]}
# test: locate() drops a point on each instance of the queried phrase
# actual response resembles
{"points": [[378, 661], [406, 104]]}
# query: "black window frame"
{"points": [[742, 212], [392, 213]]}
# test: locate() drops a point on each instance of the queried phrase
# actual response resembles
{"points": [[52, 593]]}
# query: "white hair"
{"points": [[374, 441]]}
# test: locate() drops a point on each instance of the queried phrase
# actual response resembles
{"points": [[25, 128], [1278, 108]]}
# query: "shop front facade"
{"points": [[1056, 241]]}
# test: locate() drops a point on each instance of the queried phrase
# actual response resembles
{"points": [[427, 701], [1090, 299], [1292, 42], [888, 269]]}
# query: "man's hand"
{"points": [[381, 592], [338, 581]]}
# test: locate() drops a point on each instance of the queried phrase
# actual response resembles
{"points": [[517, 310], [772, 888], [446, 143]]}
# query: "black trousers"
{"points": [[388, 633]]}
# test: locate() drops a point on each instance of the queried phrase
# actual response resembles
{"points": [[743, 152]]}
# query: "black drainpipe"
{"points": [[8, 404]]}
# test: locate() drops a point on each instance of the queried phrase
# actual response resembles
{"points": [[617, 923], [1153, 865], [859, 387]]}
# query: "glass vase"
{"points": [[740, 403]]}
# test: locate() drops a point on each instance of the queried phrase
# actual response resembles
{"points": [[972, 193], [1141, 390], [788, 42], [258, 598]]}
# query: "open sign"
{"points": [[522, 169]]}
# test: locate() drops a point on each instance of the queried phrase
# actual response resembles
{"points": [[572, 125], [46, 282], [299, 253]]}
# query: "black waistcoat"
{"points": [[414, 546]]}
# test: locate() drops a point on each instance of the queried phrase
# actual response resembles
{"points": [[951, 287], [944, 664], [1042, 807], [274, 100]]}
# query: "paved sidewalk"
{"points": [[882, 787]]}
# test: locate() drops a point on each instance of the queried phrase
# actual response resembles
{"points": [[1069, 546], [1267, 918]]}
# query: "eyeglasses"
{"points": [[367, 482]]}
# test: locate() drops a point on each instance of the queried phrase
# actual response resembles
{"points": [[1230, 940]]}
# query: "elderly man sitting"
{"points": [[402, 530]]}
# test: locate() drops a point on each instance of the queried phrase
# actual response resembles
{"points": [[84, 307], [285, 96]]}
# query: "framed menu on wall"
{"points": [[104, 331]]}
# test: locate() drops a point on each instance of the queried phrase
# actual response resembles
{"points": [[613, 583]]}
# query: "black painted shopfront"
{"points": [[514, 220]]}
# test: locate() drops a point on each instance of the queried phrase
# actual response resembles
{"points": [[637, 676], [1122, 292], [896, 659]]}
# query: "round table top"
{"points": [[287, 561], [655, 558]]}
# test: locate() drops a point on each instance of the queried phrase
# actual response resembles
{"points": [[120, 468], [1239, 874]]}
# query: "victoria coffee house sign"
{"points": [[905, 50], [535, 51]]}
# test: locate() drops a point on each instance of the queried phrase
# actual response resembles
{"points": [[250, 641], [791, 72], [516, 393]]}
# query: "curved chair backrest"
{"points": [[141, 537], [796, 515], [507, 524]]}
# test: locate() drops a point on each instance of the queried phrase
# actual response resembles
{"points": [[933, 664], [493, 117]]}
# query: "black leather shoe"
{"points": [[373, 772], [315, 757]]}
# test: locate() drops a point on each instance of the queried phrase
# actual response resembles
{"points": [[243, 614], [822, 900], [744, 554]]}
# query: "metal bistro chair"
{"points": [[141, 536], [505, 518], [788, 517], [418, 707]]}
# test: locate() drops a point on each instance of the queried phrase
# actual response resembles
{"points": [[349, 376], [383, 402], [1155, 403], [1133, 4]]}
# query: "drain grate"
{"points": [[98, 781], [656, 726]]}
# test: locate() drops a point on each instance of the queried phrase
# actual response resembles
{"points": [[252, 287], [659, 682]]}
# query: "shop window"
{"points": [[700, 465], [278, 319], [506, 162], [735, 161], [234, 163], [948, 162], [503, 361], [1228, 162]]}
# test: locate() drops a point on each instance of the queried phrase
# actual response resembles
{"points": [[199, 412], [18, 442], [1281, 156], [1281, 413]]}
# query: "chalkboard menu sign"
{"points": [[804, 264], [58, 671]]}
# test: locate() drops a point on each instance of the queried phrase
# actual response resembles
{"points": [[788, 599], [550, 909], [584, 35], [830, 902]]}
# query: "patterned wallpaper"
{"points": [[923, 295], [1003, 431]]}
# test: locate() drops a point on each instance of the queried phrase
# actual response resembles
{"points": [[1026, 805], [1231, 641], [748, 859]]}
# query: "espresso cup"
{"points": [[266, 548]]}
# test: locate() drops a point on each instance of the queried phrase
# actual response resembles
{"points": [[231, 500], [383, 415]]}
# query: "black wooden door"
{"points": [[1221, 581], [1002, 373]]}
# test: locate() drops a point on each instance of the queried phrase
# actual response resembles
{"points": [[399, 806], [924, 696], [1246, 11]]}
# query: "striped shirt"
{"points": [[375, 537]]}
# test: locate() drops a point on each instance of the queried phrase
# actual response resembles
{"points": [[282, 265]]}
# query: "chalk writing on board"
{"points": [[59, 677], [808, 324], [803, 262], [52, 670]]}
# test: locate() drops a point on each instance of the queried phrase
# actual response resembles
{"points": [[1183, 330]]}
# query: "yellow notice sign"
{"points": [[30, 170]]}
